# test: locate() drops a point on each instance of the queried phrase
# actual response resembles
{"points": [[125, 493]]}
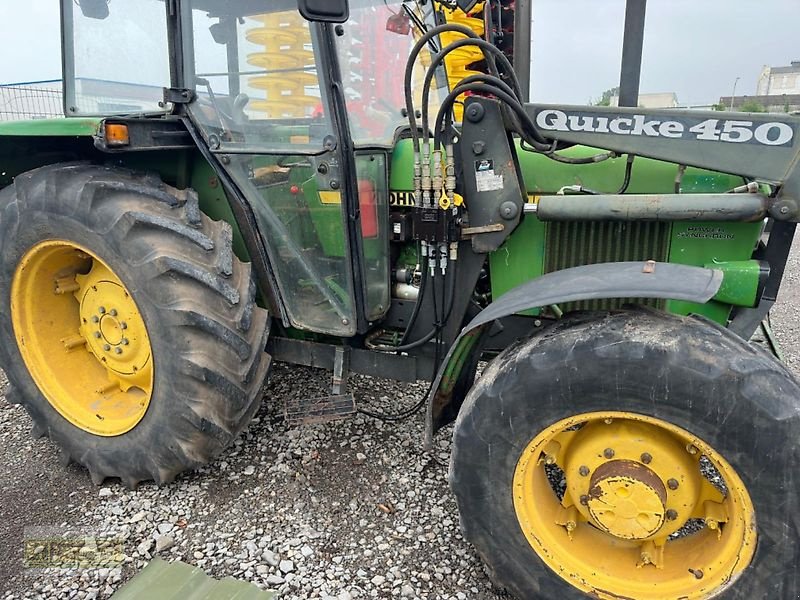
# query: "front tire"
{"points": [[619, 400], [128, 329]]}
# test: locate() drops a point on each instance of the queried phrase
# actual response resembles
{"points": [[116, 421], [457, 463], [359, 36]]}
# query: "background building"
{"points": [[777, 81], [777, 90]]}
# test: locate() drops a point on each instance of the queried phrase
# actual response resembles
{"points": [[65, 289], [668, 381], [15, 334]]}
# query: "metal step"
{"points": [[309, 411]]}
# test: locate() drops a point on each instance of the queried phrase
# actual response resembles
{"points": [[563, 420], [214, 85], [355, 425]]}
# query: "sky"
{"points": [[695, 48]]}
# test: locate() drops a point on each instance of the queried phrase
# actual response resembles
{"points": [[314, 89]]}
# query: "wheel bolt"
{"points": [[118, 350], [97, 334], [125, 341], [113, 312], [123, 325], [646, 458], [106, 347], [102, 310], [584, 499], [95, 319], [672, 514], [608, 421], [584, 470], [608, 453], [550, 459], [692, 449], [672, 484]]}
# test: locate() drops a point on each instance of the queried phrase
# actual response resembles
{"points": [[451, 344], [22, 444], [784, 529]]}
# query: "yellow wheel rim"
{"points": [[635, 514], [82, 338]]}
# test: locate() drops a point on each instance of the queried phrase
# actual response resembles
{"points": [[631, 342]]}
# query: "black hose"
{"points": [[478, 77], [529, 129], [583, 160], [415, 313], [410, 346], [628, 170], [485, 47], [409, 71], [623, 188], [534, 138]]}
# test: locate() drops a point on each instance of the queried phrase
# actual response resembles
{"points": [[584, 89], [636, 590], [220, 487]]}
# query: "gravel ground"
{"points": [[353, 509]]}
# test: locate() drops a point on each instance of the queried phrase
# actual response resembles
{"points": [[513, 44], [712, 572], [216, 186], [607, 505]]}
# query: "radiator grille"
{"points": [[573, 244]]}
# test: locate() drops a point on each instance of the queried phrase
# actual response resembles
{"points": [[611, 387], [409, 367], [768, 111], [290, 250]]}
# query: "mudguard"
{"points": [[590, 282]]}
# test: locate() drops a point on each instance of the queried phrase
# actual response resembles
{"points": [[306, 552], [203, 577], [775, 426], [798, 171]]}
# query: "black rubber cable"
{"points": [[409, 71], [485, 47], [537, 141], [478, 77], [529, 129], [412, 410]]}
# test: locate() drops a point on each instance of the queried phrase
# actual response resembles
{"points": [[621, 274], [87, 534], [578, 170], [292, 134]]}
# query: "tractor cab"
{"points": [[301, 116]]}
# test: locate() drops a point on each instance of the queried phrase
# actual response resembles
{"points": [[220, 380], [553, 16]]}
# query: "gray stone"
{"points": [[164, 542], [286, 566]]}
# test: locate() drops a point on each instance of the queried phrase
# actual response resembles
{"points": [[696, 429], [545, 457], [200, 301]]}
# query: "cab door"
{"points": [[264, 104]]}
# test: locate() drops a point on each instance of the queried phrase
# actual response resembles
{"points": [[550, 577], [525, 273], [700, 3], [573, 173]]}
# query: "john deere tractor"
{"points": [[365, 187]]}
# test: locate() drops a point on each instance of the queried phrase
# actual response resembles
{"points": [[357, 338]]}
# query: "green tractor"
{"points": [[365, 188]]}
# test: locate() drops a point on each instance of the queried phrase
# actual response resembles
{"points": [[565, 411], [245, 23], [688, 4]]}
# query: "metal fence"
{"points": [[19, 102]]}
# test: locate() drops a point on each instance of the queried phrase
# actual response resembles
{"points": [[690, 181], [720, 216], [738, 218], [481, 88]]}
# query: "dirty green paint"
{"points": [[699, 244], [740, 283], [519, 259], [545, 176], [522, 257], [409, 257], [51, 127], [401, 171], [214, 202], [457, 361]]}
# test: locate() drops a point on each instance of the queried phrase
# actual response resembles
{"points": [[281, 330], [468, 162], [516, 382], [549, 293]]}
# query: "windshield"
{"points": [[255, 68], [373, 47], [254, 71]]}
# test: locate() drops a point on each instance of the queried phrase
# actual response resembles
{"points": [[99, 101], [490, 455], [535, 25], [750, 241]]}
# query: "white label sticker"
{"points": [[488, 181]]}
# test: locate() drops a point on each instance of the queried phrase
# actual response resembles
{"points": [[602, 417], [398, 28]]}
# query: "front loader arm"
{"points": [[761, 146]]}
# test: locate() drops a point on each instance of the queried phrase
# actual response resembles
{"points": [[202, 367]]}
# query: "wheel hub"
{"points": [[627, 500], [112, 326], [618, 475]]}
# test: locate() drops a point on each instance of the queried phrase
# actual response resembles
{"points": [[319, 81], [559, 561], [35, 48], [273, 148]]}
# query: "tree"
{"points": [[605, 99], [752, 106], [718, 106]]}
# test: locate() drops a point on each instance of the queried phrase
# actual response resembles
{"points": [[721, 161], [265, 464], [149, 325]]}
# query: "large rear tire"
{"points": [[580, 452], [128, 329]]}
